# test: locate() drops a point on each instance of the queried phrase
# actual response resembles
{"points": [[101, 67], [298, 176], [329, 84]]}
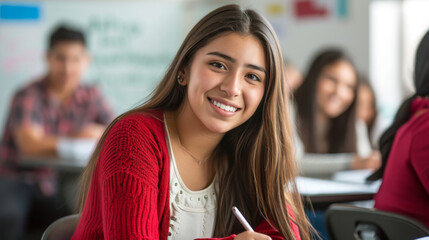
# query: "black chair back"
{"points": [[347, 222]]}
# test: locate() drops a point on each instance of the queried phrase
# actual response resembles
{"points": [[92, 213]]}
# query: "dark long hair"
{"points": [[421, 84], [255, 163], [342, 133]]}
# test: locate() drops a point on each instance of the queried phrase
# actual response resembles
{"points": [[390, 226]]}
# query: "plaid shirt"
{"points": [[33, 105]]}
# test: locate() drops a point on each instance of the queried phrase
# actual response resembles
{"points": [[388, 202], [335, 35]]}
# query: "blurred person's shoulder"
{"points": [[419, 122], [88, 92], [34, 88], [30, 93], [422, 128]]}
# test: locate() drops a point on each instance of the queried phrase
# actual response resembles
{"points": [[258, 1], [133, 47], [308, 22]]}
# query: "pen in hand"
{"points": [[242, 220]]}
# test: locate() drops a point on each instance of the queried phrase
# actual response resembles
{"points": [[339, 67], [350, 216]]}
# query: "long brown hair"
{"points": [[255, 163], [342, 131]]}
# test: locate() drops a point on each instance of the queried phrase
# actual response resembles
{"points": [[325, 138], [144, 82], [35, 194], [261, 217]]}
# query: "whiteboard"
{"points": [[131, 45]]}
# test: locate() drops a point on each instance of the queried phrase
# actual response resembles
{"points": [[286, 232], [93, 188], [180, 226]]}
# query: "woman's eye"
{"points": [[218, 65], [253, 77]]}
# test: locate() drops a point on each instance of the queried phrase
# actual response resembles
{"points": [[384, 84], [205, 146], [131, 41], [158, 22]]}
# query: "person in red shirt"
{"points": [[405, 150], [218, 120], [42, 114]]}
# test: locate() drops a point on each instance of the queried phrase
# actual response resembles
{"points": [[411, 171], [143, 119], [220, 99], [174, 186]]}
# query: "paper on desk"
{"points": [[353, 176], [78, 150], [357, 176], [314, 186]]}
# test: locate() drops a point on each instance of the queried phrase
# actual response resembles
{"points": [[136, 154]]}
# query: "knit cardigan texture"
{"points": [[130, 189]]}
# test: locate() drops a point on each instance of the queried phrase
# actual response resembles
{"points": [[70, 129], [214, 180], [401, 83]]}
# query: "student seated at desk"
{"points": [[366, 109], [293, 76], [41, 114], [405, 150], [215, 134], [329, 138]]}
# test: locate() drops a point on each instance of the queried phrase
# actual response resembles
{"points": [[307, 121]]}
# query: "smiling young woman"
{"points": [[215, 134], [225, 83]]}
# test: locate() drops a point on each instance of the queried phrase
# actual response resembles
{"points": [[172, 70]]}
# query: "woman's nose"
{"points": [[231, 85]]}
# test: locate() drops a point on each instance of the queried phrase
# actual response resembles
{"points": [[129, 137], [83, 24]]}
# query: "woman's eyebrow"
{"points": [[256, 68], [224, 56], [228, 58]]}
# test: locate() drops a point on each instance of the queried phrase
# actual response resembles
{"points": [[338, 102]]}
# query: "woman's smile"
{"points": [[225, 82]]}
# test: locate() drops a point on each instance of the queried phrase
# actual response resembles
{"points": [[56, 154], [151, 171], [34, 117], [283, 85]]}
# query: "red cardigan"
{"points": [[405, 187], [129, 193]]}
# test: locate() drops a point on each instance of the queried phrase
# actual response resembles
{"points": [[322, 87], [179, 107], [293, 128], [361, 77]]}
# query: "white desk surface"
{"points": [[74, 155], [314, 186], [346, 186], [67, 164]]}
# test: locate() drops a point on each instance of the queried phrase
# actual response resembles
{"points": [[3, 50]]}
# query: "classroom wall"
{"points": [[351, 32], [302, 36], [132, 42]]}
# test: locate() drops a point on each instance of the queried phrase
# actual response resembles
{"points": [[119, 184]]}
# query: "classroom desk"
{"points": [[323, 191], [345, 186], [69, 171], [73, 156], [63, 164]]}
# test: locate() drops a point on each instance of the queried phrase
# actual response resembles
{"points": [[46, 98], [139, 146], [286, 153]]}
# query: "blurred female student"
{"points": [[367, 107], [405, 150], [332, 139], [215, 134]]}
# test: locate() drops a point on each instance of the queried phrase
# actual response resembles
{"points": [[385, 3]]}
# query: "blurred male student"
{"points": [[43, 115]]}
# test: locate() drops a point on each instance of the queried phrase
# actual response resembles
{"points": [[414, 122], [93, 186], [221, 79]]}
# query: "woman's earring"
{"points": [[180, 79]]}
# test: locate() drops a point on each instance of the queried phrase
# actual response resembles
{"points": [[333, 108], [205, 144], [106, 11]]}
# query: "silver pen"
{"points": [[242, 220]]}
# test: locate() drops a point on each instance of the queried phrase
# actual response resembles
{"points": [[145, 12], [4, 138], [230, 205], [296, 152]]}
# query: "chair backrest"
{"points": [[347, 222], [61, 229]]}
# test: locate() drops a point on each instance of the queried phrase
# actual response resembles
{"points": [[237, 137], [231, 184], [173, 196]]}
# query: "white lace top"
{"points": [[192, 212]]}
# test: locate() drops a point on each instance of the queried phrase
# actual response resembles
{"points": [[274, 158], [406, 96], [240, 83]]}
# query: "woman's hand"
{"points": [[248, 235], [372, 162]]}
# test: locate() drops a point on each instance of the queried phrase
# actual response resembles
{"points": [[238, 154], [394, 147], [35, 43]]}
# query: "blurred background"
{"points": [[132, 42]]}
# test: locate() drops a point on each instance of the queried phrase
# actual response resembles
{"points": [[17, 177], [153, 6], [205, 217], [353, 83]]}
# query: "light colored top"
{"points": [[192, 212], [324, 165], [364, 148]]}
